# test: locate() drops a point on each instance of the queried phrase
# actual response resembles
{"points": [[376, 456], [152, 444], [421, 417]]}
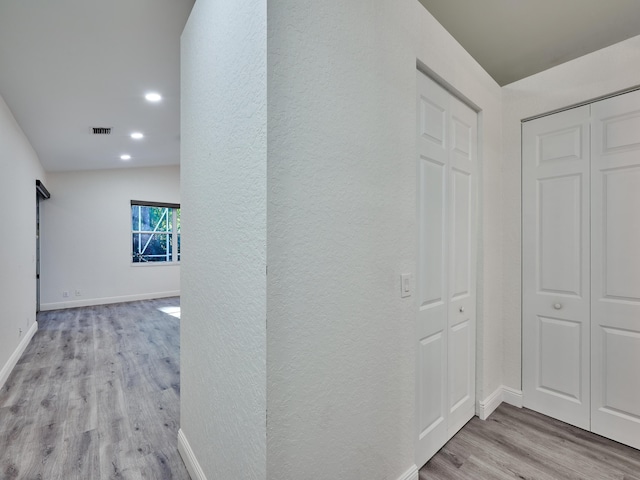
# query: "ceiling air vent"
{"points": [[101, 130]]}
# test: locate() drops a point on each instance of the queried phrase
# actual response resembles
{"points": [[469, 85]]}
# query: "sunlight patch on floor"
{"points": [[173, 311]]}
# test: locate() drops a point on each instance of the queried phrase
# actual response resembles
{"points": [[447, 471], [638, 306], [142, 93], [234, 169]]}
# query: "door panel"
{"points": [[463, 160], [461, 233], [431, 287], [621, 235], [461, 374], [555, 233], [615, 293], [560, 219], [432, 387], [433, 178], [447, 162], [561, 379]]}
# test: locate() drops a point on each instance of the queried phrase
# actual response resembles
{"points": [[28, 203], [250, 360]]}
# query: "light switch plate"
{"points": [[406, 284]]}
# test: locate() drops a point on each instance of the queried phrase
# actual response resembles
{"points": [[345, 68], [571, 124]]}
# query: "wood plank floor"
{"points": [[95, 396], [522, 444]]}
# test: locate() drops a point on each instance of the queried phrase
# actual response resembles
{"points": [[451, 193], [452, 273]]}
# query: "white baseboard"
{"points": [[501, 394], [196, 473], [489, 404], [189, 458], [411, 474], [512, 396], [15, 356], [89, 302]]}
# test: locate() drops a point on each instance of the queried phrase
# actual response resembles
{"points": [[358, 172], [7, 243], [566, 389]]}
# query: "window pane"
{"points": [[154, 247], [178, 245], [178, 219], [150, 219], [135, 216]]}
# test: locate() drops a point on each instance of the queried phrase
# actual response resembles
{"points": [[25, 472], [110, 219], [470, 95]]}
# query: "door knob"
{"points": [[557, 306], [461, 309]]}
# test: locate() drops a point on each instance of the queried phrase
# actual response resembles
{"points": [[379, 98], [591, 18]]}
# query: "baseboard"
{"points": [[15, 356], [189, 458], [489, 404], [196, 473], [89, 302], [501, 394], [512, 396], [411, 474]]}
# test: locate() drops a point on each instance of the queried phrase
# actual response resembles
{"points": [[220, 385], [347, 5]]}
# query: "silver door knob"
{"points": [[557, 306], [461, 309]]}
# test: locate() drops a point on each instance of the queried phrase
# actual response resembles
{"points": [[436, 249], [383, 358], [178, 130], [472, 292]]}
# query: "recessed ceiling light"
{"points": [[137, 135], [125, 157], [153, 97]]}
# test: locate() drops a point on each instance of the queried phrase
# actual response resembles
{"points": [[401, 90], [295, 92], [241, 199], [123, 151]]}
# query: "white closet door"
{"points": [[555, 233], [432, 289], [446, 146], [462, 266], [615, 290]]}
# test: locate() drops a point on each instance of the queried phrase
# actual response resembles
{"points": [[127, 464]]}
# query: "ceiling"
{"points": [[513, 39], [69, 65]]}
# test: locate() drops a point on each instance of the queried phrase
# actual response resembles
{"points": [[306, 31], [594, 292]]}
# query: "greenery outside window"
{"points": [[155, 230]]}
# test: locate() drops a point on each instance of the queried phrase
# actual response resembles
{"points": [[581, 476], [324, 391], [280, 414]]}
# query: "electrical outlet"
{"points": [[65, 294], [78, 293]]}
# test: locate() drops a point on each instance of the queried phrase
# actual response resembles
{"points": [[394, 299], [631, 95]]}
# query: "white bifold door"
{"points": [[581, 267], [445, 284]]}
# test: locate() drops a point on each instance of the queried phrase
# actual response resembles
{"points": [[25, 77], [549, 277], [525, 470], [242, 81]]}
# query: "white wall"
{"points": [[601, 73], [86, 237], [341, 184], [342, 228], [19, 169], [224, 161]]}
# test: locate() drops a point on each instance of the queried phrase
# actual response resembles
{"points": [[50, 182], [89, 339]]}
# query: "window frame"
{"points": [[173, 253]]}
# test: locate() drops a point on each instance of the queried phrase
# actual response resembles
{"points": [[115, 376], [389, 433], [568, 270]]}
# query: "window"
{"points": [[155, 232]]}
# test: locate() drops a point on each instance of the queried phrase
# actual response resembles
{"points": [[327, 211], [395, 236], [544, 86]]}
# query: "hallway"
{"points": [[96, 395]]}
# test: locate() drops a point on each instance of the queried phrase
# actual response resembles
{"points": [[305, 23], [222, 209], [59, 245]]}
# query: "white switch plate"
{"points": [[406, 284]]}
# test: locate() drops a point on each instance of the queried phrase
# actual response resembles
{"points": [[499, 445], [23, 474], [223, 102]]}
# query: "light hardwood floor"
{"points": [[518, 443], [95, 396]]}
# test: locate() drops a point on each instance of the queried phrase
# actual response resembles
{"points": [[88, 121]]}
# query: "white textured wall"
{"points": [[601, 73], [342, 228], [86, 237], [223, 162], [19, 169]]}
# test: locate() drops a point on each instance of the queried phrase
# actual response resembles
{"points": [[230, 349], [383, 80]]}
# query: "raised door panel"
{"points": [[621, 357], [621, 234], [560, 378], [615, 294], [555, 204], [432, 235], [559, 232], [461, 230], [432, 385]]}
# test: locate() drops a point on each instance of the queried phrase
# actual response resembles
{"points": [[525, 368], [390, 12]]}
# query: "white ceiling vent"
{"points": [[101, 130]]}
